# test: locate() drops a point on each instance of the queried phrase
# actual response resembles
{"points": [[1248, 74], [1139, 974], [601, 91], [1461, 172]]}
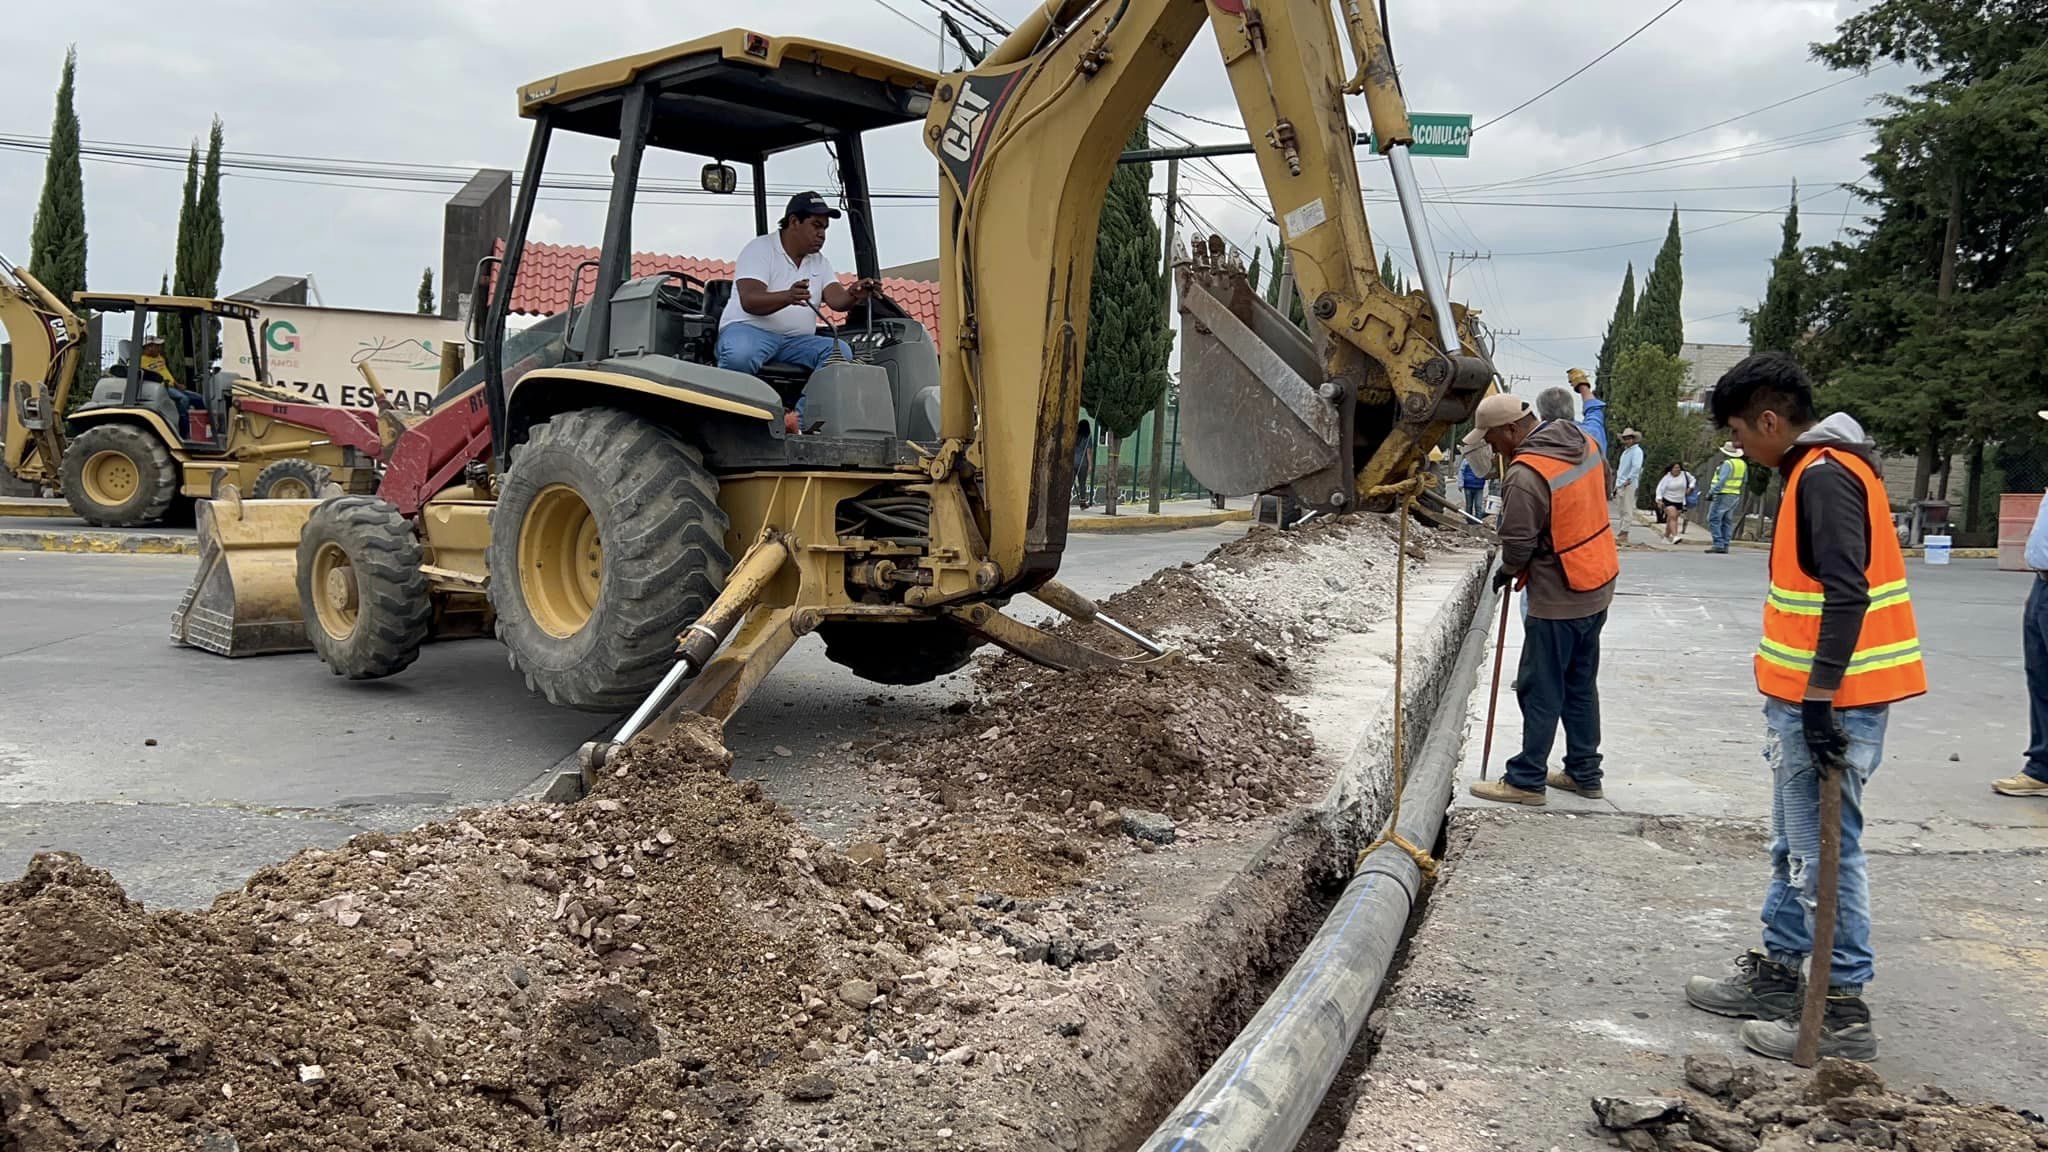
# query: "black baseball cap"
{"points": [[809, 204]]}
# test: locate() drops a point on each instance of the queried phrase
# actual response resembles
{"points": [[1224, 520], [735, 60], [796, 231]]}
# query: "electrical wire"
{"points": [[1582, 68]]}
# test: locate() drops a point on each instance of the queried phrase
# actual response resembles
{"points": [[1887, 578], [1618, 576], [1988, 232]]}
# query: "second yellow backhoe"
{"points": [[648, 535]]}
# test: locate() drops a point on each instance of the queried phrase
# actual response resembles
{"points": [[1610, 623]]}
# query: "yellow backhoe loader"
{"points": [[648, 534], [152, 434]]}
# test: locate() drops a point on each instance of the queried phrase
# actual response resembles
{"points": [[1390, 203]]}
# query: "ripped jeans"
{"points": [[1795, 840]]}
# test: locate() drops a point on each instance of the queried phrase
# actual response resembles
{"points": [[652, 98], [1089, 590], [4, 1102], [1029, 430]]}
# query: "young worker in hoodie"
{"points": [[1557, 545], [1839, 648]]}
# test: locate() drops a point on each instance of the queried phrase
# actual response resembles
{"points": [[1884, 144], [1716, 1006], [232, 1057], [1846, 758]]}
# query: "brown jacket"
{"points": [[1525, 527]]}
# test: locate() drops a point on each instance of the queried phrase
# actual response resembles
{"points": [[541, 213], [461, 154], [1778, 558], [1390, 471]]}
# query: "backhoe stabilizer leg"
{"points": [[1042, 647], [1072, 603], [697, 645]]}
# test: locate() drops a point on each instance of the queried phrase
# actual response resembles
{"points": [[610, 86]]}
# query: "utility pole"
{"points": [[1467, 257], [1166, 317]]}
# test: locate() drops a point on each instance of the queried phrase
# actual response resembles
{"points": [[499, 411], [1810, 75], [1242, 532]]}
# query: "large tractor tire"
{"points": [[120, 475], [606, 541], [290, 479], [908, 653], [365, 600]]}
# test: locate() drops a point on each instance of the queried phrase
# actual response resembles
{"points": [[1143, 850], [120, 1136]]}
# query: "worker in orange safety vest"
{"points": [[1839, 647]]}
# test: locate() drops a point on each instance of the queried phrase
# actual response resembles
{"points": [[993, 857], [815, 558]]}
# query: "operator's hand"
{"points": [[1502, 578], [798, 293], [1825, 739], [863, 288]]}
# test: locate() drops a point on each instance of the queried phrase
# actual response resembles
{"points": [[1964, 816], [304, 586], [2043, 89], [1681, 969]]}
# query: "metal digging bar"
{"points": [[1264, 1090]]}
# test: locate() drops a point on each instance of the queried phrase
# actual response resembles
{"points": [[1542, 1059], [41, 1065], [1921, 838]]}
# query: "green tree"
{"points": [[427, 304], [1777, 324], [1616, 338], [196, 271], [57, 240], [1128, 339], [1659, 319], [1644, 392], [1276, 279]]}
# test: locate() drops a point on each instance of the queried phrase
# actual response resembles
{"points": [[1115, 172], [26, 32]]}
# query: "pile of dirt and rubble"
{"points": [[673, 963], [1841, 1105]]}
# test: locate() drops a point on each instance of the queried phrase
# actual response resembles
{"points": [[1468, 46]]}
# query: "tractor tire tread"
{"points": [[664, 556], [315, 476], [159, 487], [395, 606]]}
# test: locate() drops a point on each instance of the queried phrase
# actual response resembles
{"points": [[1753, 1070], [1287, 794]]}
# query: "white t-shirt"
{"points": [[765, 259], [1674, 488]]}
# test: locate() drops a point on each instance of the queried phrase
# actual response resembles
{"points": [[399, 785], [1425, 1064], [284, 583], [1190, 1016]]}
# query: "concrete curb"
{"points": [[1164, 522], [34, 506], [95, 542]]}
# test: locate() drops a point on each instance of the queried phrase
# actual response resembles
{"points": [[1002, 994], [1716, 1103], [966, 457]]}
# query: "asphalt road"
{"points": [[183, 772]]}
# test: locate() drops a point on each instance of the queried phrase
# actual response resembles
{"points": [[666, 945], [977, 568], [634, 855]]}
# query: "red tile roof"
{"points": [[545, 271]]}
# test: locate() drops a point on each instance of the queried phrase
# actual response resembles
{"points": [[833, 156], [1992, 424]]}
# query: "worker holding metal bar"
{"points": [[1839, 648]]}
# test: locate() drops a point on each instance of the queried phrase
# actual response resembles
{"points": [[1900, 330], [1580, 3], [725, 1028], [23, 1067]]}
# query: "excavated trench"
{"points": [[1074, 891]]}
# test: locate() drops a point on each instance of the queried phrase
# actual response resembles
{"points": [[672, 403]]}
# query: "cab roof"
{"points": [[739, 95], [127, 302]]}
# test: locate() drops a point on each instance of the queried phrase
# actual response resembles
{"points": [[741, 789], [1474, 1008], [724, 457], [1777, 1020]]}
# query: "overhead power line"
{"points": [[1582, 68]]}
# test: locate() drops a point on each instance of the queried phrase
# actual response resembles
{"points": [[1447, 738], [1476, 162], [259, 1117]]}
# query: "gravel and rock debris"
{"points": [[1840, 1105], [674, 963]]}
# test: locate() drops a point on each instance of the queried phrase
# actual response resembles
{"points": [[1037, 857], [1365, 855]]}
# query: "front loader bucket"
{"points": [[244, 600], [1251, 416]]}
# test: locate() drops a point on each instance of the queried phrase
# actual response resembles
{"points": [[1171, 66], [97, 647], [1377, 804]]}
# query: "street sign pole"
{"points": [[1447, 134]]}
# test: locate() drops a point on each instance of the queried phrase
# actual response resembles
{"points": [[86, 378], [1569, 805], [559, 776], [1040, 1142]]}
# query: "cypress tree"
{"points": [[1387, 274], [1776, 324], [427, 305], [182, 264], [1658, 319], [1128, 339], [57, 240], [1616, 339]]}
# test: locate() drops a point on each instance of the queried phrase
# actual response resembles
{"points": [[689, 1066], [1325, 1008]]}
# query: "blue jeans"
{"points": [[1475, 503], [743, 347], [2034, 643], [1795, 843], [1559, 680], [1721, 518], [186, 401]]}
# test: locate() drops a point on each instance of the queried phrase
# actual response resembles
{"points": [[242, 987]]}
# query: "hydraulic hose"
{"points": [[1264, 1090]]}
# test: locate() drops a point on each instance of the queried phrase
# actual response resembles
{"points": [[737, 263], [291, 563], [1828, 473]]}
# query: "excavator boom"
{"points": [[45, 336]]}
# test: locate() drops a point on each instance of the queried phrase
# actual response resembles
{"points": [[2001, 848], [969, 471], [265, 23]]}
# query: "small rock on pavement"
{"points": [[1097, 950], [1709, 1072], [1153, 826], [312, 1074], [1635, 1111], [219, 1142], [964, 1054], [1719, 1129], [810, 1089], [867, 855], [857, 994], [1834, 1077]]}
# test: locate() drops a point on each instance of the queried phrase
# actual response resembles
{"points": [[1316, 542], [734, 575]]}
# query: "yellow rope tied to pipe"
{"points": [[1407, 490]]}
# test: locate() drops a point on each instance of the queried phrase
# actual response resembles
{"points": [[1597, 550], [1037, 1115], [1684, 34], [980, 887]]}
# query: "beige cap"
{"points": [[1631, 434], [1495, 411]]}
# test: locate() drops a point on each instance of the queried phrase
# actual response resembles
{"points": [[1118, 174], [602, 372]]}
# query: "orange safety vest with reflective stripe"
{"points": [[1579, 531], [1886, 666]]}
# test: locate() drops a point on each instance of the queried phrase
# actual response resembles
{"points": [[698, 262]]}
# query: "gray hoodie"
{"points": [[1525, 527], [1833, 539]]}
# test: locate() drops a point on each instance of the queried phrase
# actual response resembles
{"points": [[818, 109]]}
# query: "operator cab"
{"points": [[735, 98], [171, 344]]}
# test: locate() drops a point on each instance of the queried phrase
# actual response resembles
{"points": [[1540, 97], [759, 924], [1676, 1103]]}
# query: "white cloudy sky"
{"points": [[430, 82]]}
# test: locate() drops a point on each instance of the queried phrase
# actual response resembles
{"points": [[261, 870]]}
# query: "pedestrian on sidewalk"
{"points": [[1839, 648], [1557, 546], [2033, 778], [1473, 483], [1084, 462], [1726, 496], [1673, 490], [1627, 473]]}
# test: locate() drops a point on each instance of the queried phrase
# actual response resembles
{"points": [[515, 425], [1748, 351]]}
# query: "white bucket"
{"points": [[1937, 549]]}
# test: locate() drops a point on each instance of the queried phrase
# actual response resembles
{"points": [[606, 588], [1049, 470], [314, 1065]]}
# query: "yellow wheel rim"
{"points": [[561, 561], [290, 488], [335, 600], [111, 478]]}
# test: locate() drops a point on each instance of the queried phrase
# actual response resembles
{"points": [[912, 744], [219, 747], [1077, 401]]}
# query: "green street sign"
{"points": [[1436, 134]]}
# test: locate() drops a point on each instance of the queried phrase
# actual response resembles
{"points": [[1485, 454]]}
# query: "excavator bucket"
{"points": [[1251, 416], [244, 600]]}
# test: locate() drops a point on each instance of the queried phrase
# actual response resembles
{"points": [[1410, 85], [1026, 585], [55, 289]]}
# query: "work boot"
{"points": [[1502, 792], [1845, 1031], [1760, 989], [2020, 785], [1561, 780]]}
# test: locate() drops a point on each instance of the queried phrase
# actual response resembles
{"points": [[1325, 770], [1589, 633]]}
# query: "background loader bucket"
{"points": [[1251, 419], [244, 600]]}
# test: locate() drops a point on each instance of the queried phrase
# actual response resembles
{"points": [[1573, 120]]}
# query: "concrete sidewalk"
{"points": [[1549, 964]]}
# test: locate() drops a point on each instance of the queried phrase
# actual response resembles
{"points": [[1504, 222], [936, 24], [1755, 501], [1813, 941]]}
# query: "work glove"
{"points": [[1825, 739], [1502, 578]]}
